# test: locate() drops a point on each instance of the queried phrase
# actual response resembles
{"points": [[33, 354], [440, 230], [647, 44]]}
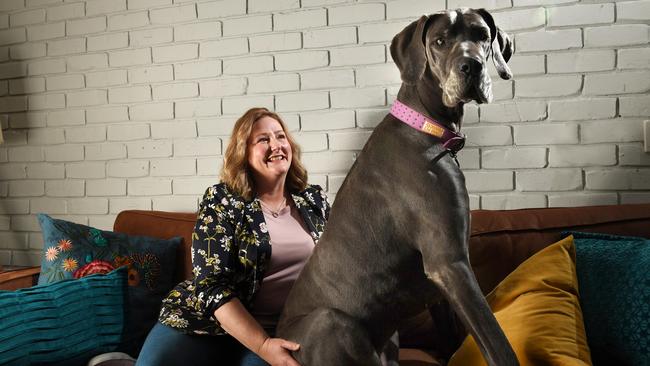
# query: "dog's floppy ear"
{"points": [[502, 46], [407, 49]]}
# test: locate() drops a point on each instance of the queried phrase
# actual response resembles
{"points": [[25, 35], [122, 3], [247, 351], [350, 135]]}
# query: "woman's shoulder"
{"points": [[221, 193], [314, 194], [313, 188]]}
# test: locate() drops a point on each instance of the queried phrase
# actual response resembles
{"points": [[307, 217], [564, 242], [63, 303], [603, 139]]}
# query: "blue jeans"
{"points": [[167, 346]]}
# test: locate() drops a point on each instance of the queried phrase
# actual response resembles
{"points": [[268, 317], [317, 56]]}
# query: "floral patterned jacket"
{"points": [[230, 253]]}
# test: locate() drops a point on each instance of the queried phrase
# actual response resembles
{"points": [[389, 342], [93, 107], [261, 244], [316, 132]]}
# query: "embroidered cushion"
{"points": [[615, 297], [70, 320], [74, 251], [538, 309]]}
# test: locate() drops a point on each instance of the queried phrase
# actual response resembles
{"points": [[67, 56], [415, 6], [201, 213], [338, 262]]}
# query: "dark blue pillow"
{"points": [[66, 322], [74, 251], [614, 287]]}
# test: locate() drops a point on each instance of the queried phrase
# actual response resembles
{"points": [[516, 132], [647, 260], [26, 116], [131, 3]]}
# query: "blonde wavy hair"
{"points": [[236, 173]]}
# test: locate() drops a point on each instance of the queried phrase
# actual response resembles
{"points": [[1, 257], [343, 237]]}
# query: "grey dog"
{"points": [[396, 240]]}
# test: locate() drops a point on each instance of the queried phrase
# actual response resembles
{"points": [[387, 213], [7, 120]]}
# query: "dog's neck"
{"points": [[426, 98]]}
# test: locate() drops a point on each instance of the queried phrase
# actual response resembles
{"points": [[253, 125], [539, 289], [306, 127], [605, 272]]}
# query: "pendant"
{"points": [[274, 214]]}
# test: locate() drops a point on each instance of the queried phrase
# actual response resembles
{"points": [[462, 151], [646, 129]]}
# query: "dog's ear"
{"points": [[407, 50], [502, 46]]}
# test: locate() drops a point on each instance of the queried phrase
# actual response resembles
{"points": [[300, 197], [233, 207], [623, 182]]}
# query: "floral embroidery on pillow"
{"points": [[64, 256]]}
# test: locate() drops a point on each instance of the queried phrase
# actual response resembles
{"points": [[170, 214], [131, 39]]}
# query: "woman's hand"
{"points": [[277, 352]]}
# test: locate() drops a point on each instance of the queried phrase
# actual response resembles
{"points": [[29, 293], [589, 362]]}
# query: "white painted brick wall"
{"points": [[197, 108], [635, 106], [129, 57], [617, 83], [108, 151], [549, 180], [311, 18], [108, 105], [512, 201], [546, 134], [514, 158], [127, 168], [152, 111], [632, 155], [582, 155], [106, 78], [276, 42], [247, 25], [248, 65], [301, 60], [27, 50], [329, 37], [601, 131], [581, 61], [80, 63], [634, 58], [581, 199], [583, 14], [548, 40], [108, 41], [616, 35], [147, 37], [548, 86], [380, 32]]}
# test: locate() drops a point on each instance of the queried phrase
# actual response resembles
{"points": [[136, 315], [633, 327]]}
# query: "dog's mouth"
{"points": [[464, 89]]}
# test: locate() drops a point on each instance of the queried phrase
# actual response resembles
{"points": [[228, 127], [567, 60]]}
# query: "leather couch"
{"points": [[500, 241]]}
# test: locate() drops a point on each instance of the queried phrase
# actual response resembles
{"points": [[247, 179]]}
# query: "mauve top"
{"points": [[291, 247]]}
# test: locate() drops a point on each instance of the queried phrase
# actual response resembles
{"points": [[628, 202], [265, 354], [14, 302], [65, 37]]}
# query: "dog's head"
{"points": [[455, 46]]}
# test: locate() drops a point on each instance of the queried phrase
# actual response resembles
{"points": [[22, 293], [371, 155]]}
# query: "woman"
{"points": [[240, 279]]}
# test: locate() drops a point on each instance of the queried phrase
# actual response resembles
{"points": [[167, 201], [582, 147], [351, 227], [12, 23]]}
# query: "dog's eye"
{"points": [[440, 42]]}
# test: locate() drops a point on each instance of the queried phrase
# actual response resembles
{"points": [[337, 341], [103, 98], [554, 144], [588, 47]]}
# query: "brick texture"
{"points": [[108, 105]]}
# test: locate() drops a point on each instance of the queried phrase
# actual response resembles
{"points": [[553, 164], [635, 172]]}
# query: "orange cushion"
{"points": [[537, 307]]}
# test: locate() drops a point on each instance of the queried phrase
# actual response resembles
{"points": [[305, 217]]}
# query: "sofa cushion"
{"points": [[161, 224], [615, 297], [538, 309], [70, 320], [73, 251]]}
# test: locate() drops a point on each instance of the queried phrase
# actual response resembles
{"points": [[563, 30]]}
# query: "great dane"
{"points": [[397, 237]]}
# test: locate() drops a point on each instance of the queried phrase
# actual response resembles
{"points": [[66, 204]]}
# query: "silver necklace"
{"points": [[276, 212]]}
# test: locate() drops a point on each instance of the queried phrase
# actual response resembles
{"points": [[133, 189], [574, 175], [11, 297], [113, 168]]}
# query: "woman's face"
{"points": [[269, 152]]}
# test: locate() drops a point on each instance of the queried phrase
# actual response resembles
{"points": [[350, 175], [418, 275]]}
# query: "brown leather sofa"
{"points": [[500, 241]]}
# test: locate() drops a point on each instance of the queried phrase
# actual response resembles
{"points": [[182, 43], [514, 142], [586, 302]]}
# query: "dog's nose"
{"points": [[470, 66]]}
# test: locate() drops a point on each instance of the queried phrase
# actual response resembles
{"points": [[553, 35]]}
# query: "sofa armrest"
{"points": [[13, 279]]}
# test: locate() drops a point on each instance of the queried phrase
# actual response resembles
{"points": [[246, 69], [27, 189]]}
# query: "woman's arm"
{"points": [[239, 323], [214, 253]]}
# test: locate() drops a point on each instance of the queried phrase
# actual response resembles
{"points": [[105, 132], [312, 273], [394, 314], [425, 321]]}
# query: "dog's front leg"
{"points": [[458, 285], [390, 354]]}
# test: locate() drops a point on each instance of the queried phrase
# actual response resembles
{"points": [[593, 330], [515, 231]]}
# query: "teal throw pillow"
{"points": [[67, 322], [74, 251], [614, 286]]}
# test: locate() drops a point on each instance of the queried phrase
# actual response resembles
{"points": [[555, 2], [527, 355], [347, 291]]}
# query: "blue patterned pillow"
{"points": [[614, 286], [74, 251], [71, 320]]}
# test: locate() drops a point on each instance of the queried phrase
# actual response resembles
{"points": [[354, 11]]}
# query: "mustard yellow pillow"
{"points": [[537, 306]]}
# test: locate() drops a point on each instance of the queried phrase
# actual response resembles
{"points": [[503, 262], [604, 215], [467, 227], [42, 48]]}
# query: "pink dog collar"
{"points": [[453, 141]]}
